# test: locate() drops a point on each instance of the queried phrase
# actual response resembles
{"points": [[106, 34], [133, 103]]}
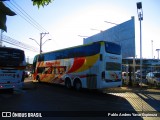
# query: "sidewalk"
{"points": [[140, 89], [143, 88]]}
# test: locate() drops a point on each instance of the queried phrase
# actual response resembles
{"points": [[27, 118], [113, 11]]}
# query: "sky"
{"points": [[69, 21]]}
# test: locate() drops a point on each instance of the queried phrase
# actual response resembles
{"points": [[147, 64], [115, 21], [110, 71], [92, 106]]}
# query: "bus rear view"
{"points": [[12, 65], [111, 66]]}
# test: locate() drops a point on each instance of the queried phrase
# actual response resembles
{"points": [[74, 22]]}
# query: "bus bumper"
{"points": [[105, 84], [11, 86]]}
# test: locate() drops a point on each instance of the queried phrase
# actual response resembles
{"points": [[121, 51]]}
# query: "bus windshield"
{"points": [[113, 48], [11, 57]]}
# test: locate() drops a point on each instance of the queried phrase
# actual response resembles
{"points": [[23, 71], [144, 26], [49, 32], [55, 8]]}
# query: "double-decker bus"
{"points": [[92, 66], [12, 66]]}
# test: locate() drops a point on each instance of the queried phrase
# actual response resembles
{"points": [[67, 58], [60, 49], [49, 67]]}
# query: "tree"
{"points": [[4, 11], [41, 2]]}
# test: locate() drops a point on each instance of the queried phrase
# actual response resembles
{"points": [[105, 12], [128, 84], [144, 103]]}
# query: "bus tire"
{"points": [[38, 79], [77, 84], [68, 83]]}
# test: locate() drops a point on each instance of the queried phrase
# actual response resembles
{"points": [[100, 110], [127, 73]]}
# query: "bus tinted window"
{"points": [[113, 66], [113, 48], [11, 57], [79, 51]]}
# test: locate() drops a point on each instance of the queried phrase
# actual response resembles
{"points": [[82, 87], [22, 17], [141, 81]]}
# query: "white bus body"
{"points": [[92, 66], [12, 65]]}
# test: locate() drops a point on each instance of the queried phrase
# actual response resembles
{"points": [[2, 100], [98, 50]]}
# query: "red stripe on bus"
{"points": [[78, 62]]}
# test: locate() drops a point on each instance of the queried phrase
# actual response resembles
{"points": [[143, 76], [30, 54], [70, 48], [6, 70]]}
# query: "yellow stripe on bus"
{"points": [[89, 62]]}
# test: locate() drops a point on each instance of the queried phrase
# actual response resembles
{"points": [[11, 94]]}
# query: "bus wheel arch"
{"points": [[77, 84], [68, 82]]}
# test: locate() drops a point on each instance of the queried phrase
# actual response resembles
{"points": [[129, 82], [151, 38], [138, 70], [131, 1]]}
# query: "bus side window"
{"points": [[40, 69], [62, 70]]}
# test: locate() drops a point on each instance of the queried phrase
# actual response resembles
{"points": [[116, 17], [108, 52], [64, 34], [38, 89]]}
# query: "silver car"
{"points": [[153, 78]]}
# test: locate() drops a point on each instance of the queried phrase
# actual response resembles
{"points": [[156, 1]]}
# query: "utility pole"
{"points": [[158, 52], [140, 18], [152, 48], [1, 38], [152, 57], [41, 37]]}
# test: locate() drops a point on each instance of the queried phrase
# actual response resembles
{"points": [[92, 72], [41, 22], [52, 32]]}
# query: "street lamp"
{"points": [[46, 41], [35, 41], [152, 48], [96, 29], [140, 17], [82, 36], [40, 45], [111, 22]]}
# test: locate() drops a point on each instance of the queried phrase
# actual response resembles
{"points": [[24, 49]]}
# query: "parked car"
{"points": [[153, 78], [144, 73], [125, 78]]}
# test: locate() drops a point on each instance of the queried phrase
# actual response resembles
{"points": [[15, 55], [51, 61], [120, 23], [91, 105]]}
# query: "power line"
{"points": [[37, 24], [32, 24], [22, 13], [17, 43], [25, 16]]}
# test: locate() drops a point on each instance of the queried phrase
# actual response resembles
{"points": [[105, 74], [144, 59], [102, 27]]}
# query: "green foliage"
{"points": [[41, 2]]}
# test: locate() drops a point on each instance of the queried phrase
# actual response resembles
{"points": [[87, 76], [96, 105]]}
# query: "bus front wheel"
{"points": [[38, 79]]}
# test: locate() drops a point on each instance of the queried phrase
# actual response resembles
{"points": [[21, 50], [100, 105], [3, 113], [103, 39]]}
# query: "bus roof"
{"points": [[10, 48], [73, 47]]}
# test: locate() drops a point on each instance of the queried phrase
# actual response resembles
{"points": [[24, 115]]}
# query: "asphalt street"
{"points": [[55, 99]]}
